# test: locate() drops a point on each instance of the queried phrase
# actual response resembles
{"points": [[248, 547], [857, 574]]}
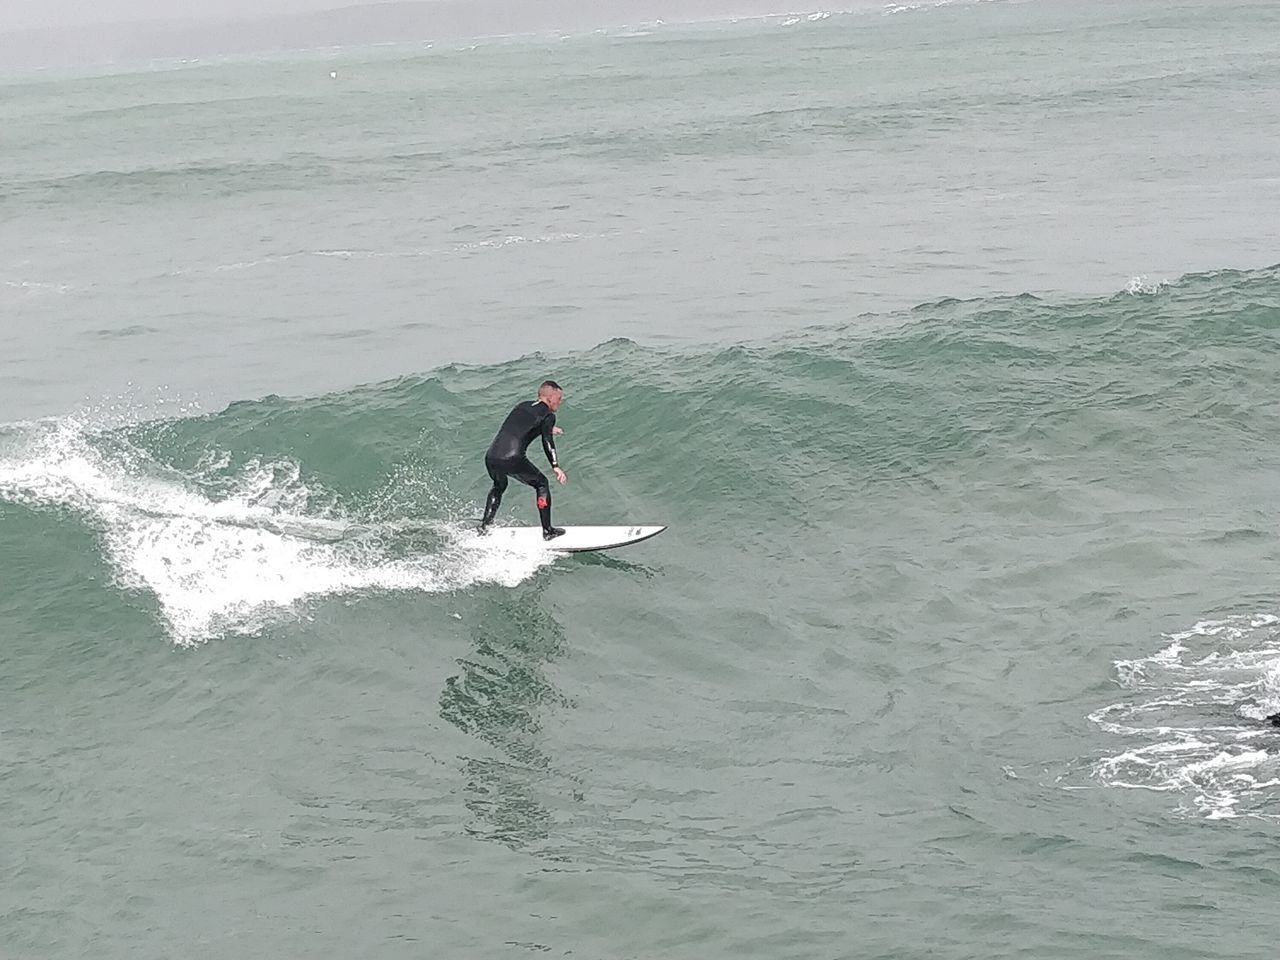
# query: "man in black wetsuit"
{"points": [[506, 455]]}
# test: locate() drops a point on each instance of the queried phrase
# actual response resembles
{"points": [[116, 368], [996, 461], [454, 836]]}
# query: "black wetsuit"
{"points": [[506, 458]]}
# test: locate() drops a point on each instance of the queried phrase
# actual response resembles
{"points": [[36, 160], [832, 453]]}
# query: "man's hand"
{"points": [[560, 475], [556, 431]]}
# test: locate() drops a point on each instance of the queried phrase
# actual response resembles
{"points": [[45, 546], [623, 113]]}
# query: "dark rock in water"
{"points": [[1274, 719]]}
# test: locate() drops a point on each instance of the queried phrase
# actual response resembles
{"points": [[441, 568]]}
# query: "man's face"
{"points": [[553, 399]]}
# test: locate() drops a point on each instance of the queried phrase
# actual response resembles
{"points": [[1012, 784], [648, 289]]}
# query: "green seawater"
{"points": [[944, 342]]}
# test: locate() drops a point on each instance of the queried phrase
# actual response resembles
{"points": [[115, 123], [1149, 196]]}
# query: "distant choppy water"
{"points": [[945, 343]]}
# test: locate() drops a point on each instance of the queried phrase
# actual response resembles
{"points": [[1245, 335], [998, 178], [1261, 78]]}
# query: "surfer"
{"points": [[506, 455]]}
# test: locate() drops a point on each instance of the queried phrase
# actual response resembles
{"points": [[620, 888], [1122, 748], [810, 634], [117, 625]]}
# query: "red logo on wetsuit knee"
{"points": [[542, 503]]}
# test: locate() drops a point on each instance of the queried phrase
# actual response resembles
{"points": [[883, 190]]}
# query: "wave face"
{"points": [[1086, 418]]}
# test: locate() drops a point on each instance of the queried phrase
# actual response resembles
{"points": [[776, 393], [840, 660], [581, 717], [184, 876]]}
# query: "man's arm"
{"points": [[549, 430], [548, 441]]}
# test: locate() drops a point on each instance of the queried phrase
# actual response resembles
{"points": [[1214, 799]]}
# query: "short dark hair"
{"points": [[550, 384]]}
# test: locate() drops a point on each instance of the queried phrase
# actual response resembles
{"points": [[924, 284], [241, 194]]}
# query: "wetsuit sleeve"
{"points": [[548, 444]]}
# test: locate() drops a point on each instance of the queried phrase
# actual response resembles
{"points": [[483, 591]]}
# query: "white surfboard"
{"points": [[574, 540]]}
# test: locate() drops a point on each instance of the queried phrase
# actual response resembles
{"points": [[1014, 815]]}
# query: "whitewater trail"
{"points": [[233, 565]]}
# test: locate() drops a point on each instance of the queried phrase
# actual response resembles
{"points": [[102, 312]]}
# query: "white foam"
{"points": [[1141, 286], [36, 286], [892, 8], [1193, 718], [231, 565], [516, 239]]}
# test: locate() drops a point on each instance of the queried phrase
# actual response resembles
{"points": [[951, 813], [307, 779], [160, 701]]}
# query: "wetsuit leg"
{"points": [[526, 472], [499, 477]]}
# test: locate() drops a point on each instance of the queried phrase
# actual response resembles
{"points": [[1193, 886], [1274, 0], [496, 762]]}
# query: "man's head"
{"points": [[551, 394]]}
